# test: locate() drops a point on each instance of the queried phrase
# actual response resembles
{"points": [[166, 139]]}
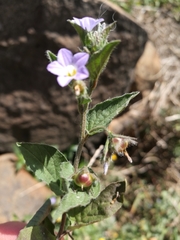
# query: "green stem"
{"points": [[83, 111]]}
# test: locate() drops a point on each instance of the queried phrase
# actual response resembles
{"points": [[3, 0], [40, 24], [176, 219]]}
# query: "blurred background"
{"points": [[34, 108]]}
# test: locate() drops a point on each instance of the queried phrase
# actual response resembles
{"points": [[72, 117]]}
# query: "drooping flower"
{"points": [[87, 23], [121, 144], [69, 66]]}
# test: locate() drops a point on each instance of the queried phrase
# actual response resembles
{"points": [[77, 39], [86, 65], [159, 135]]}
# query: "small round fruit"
{"points": [[83, 179]]}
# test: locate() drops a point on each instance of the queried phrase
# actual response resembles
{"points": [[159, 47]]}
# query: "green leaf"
{"points": [[105, 205], [110, 27], [35, 233], [76, 198], [66, 170], [41, 214], [51, 56], [99, 117], [48, 165], [98, 61], [83, 100]]}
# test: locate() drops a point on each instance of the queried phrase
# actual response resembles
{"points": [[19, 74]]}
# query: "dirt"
{"points": [[21, 194]]}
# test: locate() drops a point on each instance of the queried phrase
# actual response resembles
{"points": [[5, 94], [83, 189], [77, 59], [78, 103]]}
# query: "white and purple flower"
{"points": [[69, 66], [87, 23], [121, 144]]}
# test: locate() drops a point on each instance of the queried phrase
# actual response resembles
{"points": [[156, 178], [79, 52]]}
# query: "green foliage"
{"points": [[51, 166], [106, 204], [51, 56], [76, 198], [94, 40], [153, 213], [127, 5], [104, 230], [48, 165], [170, 5], [20, 163], [98, 61], [40, 215], [80, 31], [35, 233], [99, 117]]}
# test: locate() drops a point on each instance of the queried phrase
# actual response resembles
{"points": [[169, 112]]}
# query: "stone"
{"points": [[148, 69], [21, 194]]}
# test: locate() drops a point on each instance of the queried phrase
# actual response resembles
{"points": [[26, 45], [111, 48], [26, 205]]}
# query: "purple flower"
{"points": [[106, 166], [53, 200], [69, 66], [87, 23]]}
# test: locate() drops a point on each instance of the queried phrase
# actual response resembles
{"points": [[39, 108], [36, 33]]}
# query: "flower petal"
{"points": [[87, 23], [69, 67], [64, 57], [64, 81], [80, 59], [54, 67], [82, 73]]}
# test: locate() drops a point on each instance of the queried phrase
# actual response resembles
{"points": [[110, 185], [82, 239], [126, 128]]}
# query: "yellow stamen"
{"points": [[71, 71]]}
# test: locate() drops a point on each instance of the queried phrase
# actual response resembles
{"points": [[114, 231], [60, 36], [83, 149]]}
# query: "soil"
{"points": [[21, 194]]}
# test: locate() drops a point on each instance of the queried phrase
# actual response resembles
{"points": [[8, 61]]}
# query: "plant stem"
{"points": [[83, 111], [61, 230]]}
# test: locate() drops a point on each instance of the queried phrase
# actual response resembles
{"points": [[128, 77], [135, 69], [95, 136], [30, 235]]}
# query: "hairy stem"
{"points": [[83, 112]]}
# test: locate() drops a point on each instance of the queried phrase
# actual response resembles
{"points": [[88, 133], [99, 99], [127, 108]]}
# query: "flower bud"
{"points": [[79, 88], [83, 179]]}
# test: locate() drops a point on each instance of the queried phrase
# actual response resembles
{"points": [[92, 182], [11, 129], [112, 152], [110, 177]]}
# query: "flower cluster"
{"points": [[70, 67]]}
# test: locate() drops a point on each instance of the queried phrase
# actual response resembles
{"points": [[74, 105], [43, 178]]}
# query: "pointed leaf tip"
{"points": [[105, 205], [99, 60], [51, 56], [101, 115]]}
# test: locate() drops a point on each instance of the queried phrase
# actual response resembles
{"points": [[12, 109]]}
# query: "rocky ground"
{"points": [[155, 120]]}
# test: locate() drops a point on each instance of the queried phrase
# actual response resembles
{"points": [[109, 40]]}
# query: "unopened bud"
{"points": [[79, 88]]}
